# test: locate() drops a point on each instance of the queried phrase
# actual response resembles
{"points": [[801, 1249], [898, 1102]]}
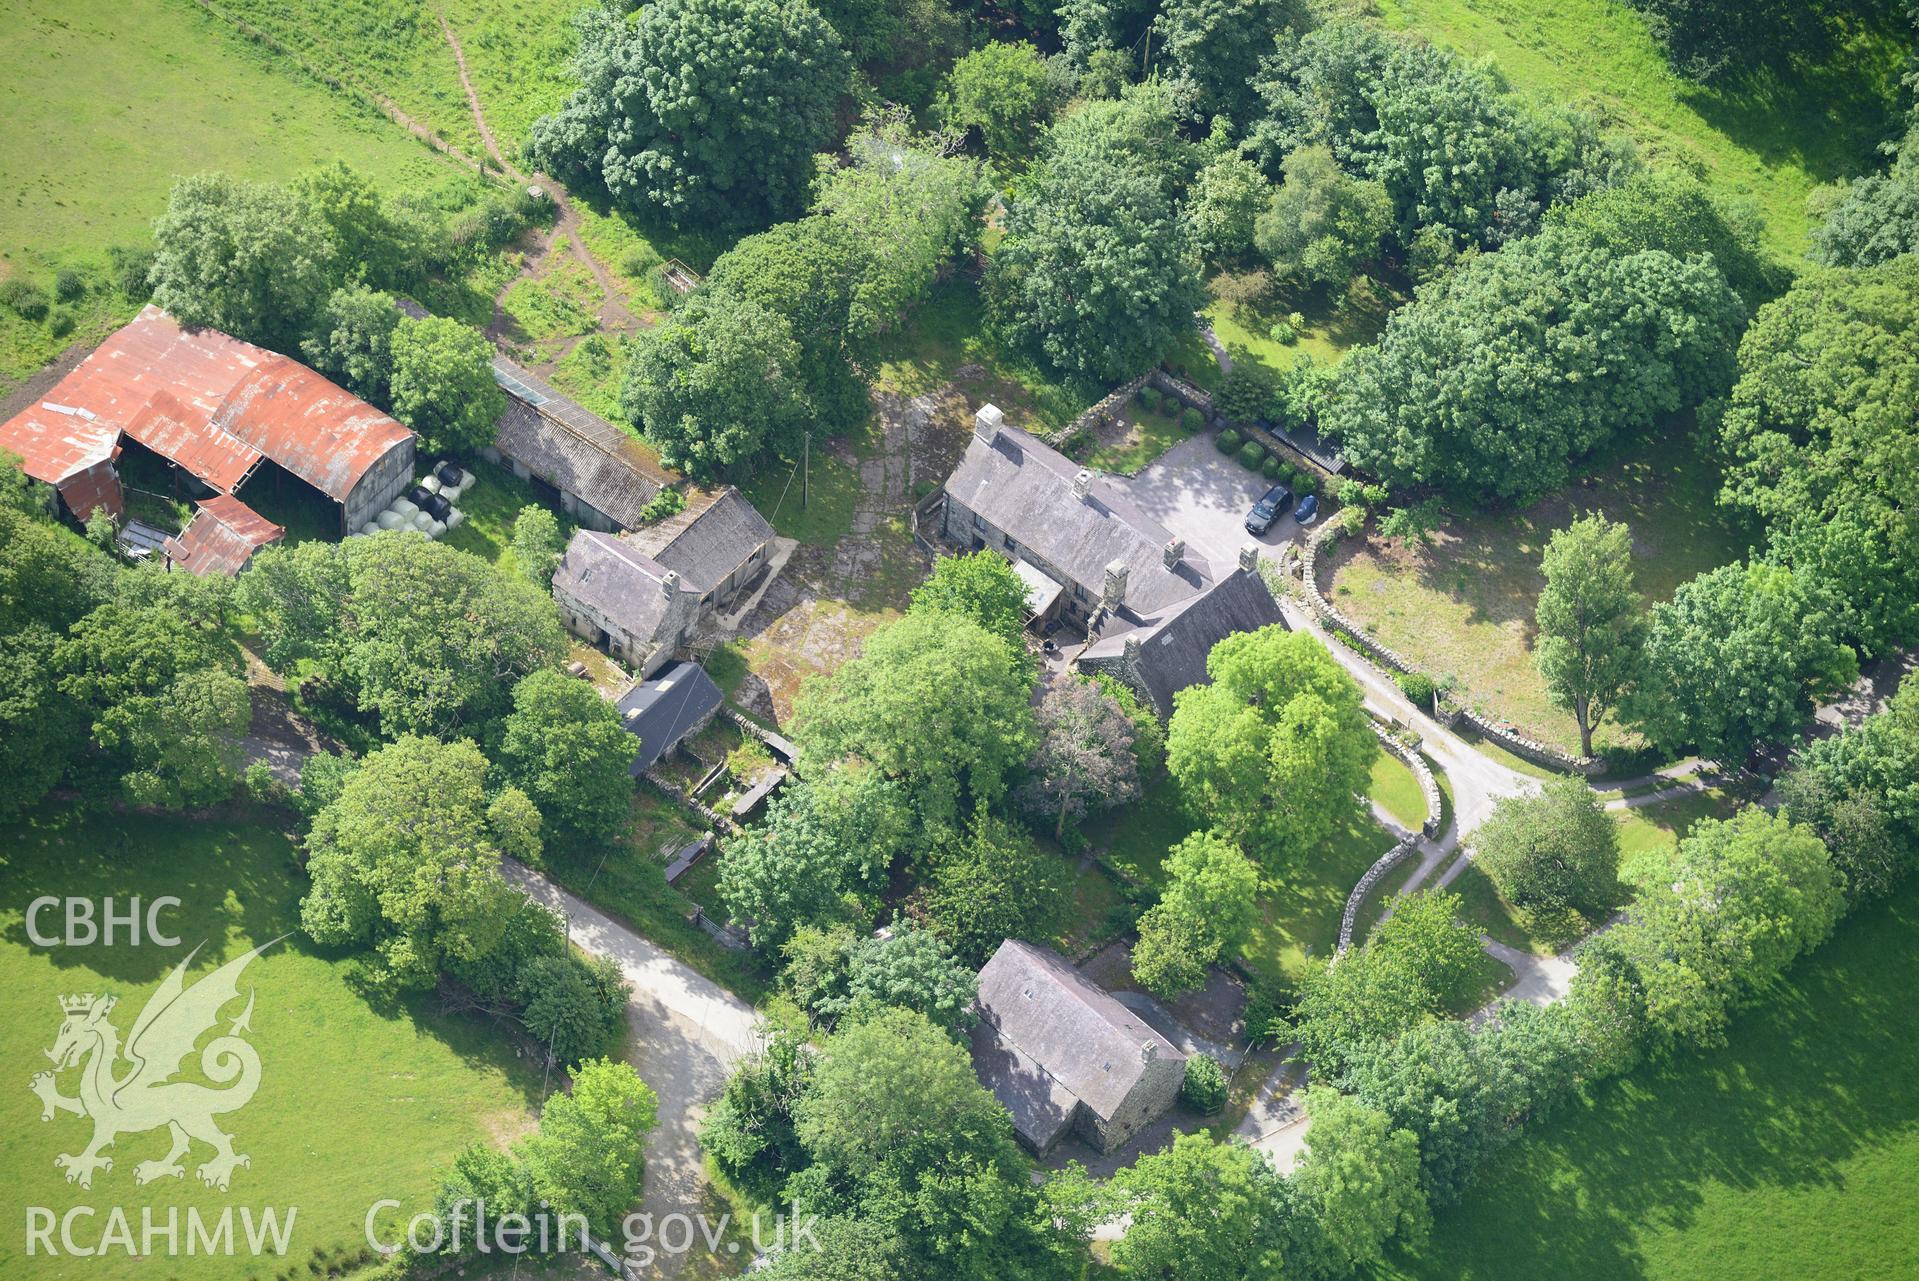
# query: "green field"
{"points": [[360, 1098], [1792, 1152], [1766, 141], [1464, 605]]}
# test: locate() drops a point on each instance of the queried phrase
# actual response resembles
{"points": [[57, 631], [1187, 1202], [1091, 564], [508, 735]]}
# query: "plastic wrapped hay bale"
{"points": [[422, 520], [404, 507], [430, 483], [371, 527], [435, 529], [466, 479], [389, 520], [455, 518], [451, 492]]}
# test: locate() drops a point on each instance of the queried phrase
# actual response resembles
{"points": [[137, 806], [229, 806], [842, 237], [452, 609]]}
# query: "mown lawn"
{"points": [[1398, 791], [1768, 141], [1791, 1152], [360, 1098], [1464, 605], [1144, 436], [816, 509], [129, 95], [491, 507], [1301, 898], [1648, 832]]}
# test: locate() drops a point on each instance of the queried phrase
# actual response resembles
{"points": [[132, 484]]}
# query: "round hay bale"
{"points": [[435, 528], [371, 527], [431, 484], [389, 520], [422, 520], [455, 518], [404, 507]]}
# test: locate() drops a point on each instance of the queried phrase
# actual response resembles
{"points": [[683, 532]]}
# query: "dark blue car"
{"points": [[1270, 507], [1307, 509]]}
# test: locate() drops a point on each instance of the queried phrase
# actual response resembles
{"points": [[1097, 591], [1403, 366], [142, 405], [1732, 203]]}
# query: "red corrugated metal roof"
{"points": [[207, 401], [97, 486], [221, 537]]}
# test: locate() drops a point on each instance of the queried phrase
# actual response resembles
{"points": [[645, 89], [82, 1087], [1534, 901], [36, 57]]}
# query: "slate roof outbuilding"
{"points": [[1173, 648], [708, 539], [662, 711]]}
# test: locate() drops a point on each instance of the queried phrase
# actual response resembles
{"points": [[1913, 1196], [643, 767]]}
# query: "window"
{"points": [[979, 521], [1011, 546]]}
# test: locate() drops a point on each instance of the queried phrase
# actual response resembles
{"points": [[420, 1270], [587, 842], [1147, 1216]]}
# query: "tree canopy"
{"points": [[442, 384], [1276, 748], [1591, 620], [1552, 853], [708, 111], [563, 745]]}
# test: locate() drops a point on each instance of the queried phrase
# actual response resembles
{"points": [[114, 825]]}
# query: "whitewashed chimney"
{"points": [[669, 583], [1082, 483], [987, 422], [1174, 552], [1249, 557]]}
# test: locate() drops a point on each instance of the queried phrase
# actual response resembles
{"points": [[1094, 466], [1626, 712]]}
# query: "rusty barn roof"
{"points": [[221, 537], [208, 402]]}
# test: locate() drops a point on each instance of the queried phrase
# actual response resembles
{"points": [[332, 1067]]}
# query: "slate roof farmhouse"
{"points": [[1151, 608], [1062, 1055], [640, 596], [219, 410]]}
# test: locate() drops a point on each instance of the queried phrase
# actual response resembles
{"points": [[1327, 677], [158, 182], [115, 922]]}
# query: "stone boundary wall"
{"points": [[1387, 862], [1100, 409], [780, 746], [1428, 785], [1518, 744]]}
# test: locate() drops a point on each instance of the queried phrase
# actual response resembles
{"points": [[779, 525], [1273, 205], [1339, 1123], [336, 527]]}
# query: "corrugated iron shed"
{"points": [[207, 402], [221, 537]]}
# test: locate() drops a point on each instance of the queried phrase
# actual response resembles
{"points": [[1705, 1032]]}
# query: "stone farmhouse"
{"points": [[1150, 608], [221, 413], [643, 596], [1063, 1056]]}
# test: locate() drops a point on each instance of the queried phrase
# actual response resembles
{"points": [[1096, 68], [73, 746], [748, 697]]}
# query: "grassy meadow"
{"points": [[1791, 1152], [1767, 140], [360, 1098]]}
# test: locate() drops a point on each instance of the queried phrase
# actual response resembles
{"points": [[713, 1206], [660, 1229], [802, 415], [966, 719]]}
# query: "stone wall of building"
{"points": [[1150, 1099]]}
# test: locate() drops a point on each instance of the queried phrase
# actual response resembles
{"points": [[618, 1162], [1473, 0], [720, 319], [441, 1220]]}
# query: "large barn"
{"points": [[220, 411]]}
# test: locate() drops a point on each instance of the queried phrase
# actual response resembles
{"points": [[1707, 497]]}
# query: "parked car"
{"points": [[1271, 506], [1307, 509]]}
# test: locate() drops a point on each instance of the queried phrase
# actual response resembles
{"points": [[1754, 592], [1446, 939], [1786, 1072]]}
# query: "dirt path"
{"points": [[614, 314]]}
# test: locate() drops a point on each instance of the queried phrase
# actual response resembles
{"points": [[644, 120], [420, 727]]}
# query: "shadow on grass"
{"points": [[1823, 1070]]}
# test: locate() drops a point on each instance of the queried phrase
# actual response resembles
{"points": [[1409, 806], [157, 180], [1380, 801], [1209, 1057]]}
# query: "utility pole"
{"points": [[806, 467]]}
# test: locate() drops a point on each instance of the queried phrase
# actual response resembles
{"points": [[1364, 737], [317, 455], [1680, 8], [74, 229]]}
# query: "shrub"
{"points": [[131, 265], [1204, 1088], [1283, 333], [1289, 474], [1296, 320], [62, 322], [1227, 441], [668, 502], [68, 284], [1271, 468], [1144, 395], [1416, 686], [1307, 484], [1191, 419], [1251, 455], [23, 297]]}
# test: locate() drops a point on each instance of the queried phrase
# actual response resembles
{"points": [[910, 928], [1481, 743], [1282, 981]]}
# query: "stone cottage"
{"points": [[1062, 1055], [1151, 609]]}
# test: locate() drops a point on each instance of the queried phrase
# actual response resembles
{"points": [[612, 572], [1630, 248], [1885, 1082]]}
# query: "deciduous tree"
{"points": [[442, 384], [1202, 1210], [1552, 853], [565, 748], [1085, 755], [1591, 620], [586, 1159]]}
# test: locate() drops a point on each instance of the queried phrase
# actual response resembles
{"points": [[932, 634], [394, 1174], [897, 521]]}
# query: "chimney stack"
{"points": [[669, 583], [1249, 557], [1082, 483], [1129, 649], [987, 422], [1174, 553], [1114, 593]]}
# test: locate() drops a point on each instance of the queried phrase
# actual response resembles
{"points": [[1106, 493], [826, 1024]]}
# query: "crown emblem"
{"points": [[83, 1004]]}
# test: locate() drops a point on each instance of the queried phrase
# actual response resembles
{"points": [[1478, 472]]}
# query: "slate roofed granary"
{"points": [[214, 407], [1061, 1054], [1150, 607]]}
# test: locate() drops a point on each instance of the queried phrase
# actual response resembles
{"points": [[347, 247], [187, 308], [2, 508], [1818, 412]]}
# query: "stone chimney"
{"points": [[1149, 1052], [987, 422], [669, 584], [1113, 595], [1175, 551], [1249, 557], [1082, 483], [1129, 649]]}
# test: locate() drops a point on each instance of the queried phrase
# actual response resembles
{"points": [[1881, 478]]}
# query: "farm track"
{"points": [[613, 313]]}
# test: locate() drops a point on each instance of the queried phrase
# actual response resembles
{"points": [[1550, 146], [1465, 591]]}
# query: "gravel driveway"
{"points": [[1203, 495]]}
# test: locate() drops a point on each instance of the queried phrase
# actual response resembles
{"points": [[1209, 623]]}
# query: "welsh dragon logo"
{"points": [[145, 1096]]}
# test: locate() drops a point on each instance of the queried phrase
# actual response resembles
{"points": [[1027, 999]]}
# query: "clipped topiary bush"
{"points": [[1204, 1089], [1289, 475], [1227, 441], [1191, 419], [1270, 469], [1416, 686], [1251, 455]]}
